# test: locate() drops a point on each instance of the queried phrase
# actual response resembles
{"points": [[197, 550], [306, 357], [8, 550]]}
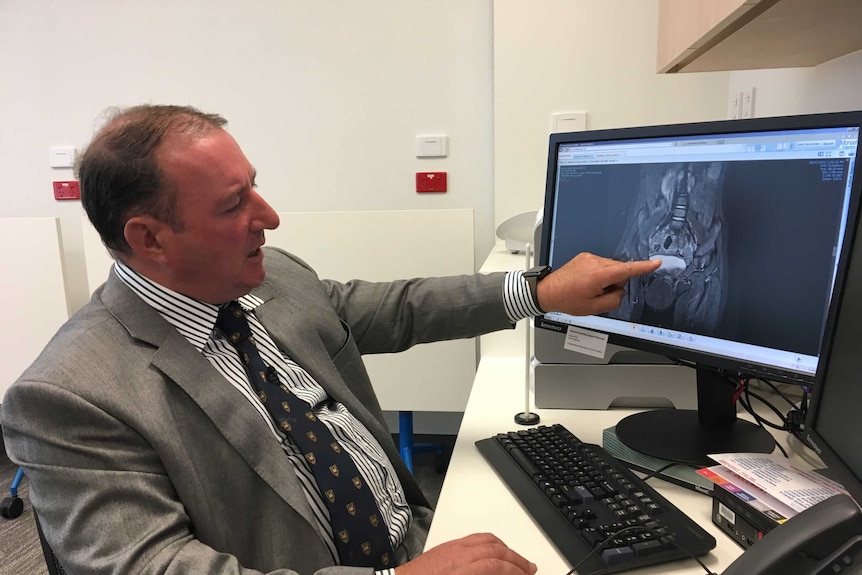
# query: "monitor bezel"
{"points": [[686, 356], [837, 468]]}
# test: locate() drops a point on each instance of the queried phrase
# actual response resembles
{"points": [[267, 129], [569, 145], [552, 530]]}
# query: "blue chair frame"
{"points": [[408, 448]]}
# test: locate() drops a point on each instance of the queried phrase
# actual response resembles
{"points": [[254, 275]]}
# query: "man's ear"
{"points": [[146, 236]]}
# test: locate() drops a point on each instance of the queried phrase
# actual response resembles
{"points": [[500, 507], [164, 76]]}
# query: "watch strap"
{"points": [[533, 275]]}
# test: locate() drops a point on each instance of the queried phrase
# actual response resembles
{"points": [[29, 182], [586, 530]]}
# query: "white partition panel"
{"points": [[377, 246], [33, 291]]}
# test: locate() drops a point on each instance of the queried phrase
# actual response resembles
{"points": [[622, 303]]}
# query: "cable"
{"points": [[652, 474], [778, 392], [793, 422], [782, 417], [764, 423], [749, 394]]}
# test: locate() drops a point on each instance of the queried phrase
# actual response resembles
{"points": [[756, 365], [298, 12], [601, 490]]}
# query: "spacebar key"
{"points": [[525, 462], [617, 555]]}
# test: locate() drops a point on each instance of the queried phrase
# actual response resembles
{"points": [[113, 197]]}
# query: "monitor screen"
{"points": [[749, 218]]}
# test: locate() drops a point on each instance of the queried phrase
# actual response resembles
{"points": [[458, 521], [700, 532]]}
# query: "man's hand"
{"points": [[589, 284], [477, 554]]}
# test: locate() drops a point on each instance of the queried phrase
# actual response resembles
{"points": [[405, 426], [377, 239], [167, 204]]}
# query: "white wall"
{"points": [[325, 97], [597, 56], [834, 86]]}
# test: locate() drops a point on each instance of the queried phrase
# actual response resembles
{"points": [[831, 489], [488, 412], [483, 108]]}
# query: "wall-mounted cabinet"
{"points": [[710, 35]]}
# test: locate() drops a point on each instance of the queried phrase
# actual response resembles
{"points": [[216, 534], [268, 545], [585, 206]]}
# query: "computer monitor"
{"points": [[833, 425], [750, 219]]}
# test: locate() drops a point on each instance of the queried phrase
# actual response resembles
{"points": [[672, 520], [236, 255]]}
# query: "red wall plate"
{"points": [[430, 181], [67, 190]]}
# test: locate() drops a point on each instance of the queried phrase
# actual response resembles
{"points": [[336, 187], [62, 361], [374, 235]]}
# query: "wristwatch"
{"points": [[533, 275]]}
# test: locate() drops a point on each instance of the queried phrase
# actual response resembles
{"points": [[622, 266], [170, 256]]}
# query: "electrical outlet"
{"points": [[430, 181], [67, 190]]}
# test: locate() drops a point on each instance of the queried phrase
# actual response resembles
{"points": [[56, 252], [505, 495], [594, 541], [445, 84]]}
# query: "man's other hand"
{"points": [[477, 554]]}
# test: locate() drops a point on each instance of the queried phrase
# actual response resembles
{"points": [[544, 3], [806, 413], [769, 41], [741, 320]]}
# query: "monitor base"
{"points": [[679, 436], [682, 475]]}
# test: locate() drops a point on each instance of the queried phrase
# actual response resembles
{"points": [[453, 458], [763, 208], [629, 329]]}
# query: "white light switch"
{"points": [[432, 146], [62, 156], [747, 103]]}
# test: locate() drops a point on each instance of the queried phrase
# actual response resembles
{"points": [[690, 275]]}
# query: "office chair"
{"points": [[12, 507], [51, 561]]}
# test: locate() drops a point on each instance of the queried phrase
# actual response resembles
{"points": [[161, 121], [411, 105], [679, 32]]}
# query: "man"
{"points": [[148, 447]]}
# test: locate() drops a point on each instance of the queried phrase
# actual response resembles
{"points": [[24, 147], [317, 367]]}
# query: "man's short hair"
{"points": [[119, 174]]}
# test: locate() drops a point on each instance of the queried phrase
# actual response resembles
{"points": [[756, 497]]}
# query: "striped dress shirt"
{"points": [[195, 320]]}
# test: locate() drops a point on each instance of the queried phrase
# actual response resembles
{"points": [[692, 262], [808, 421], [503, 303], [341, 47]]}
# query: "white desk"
{"points": [[497, 395]]}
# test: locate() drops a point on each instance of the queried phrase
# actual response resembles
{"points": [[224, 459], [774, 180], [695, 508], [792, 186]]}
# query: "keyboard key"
{"points": [[647, 548], [618, 555]]}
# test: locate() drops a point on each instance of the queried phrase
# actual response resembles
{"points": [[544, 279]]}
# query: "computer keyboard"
{"points": [[581, 497]]}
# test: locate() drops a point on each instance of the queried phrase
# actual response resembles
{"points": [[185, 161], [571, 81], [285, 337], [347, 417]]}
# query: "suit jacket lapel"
{"points": [[185, 366]]}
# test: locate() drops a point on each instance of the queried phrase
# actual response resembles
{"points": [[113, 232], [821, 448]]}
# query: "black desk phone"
{"points": [[824, 539]]}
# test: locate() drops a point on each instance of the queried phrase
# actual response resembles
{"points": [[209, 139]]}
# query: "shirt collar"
{"points": [[194, 319]]}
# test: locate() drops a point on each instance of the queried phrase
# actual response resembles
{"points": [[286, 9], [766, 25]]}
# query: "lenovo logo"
{"points": [[550, 326]]}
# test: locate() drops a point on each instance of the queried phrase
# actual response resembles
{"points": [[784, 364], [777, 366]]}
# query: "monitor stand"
{"points": [[687, 436]]}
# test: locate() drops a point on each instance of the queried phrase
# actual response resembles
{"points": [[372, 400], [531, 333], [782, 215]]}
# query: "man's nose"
{"points": [[267, 218]]}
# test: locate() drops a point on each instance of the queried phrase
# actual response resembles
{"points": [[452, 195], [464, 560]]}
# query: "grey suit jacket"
{"points": [[143, 459]]}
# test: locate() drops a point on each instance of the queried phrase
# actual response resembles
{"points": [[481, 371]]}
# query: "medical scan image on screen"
{"points": [[749, 229], [677, 217]]}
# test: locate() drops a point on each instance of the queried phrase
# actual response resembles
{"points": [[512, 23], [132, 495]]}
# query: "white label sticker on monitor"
{"points": [[587, 342]]}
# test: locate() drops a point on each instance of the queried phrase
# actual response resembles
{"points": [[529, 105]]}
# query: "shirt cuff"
{"points": [[385, 572], [517, 298]]}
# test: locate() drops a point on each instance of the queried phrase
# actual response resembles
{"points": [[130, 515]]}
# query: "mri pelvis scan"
{"points": [[677, 217]]}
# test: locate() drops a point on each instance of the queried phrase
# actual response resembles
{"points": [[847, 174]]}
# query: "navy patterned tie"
{"points": [[360, 535]]}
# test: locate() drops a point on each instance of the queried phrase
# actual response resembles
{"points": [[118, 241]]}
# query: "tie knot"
{"points": [[232, 323]]}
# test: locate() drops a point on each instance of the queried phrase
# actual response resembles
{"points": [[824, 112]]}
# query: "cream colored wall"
{"points": [[596, 56], [834, 86], [325, 97]]}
